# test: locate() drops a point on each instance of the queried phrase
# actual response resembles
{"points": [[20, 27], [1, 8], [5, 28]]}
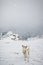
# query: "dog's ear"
{"points": [[22, 46]]}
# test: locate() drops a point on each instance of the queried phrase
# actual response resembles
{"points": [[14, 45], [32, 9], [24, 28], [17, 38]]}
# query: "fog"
{"points": [[21, 16]]}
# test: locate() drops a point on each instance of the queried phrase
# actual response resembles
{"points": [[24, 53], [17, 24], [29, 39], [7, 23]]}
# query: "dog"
{"points": [[25, 52]]}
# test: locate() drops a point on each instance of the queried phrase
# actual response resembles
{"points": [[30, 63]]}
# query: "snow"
{"points": [[11, 35], [11, 52]]}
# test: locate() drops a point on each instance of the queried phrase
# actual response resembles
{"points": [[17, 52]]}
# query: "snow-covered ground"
{"points": [[11, 52]]}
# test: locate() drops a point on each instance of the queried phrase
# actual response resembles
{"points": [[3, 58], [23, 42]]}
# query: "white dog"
{"points": [[25, 52]]}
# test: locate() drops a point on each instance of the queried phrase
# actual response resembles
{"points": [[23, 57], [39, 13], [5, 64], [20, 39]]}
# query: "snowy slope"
{"points": [[11, 52]]}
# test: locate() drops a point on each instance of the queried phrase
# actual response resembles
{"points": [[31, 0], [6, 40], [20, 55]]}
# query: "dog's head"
{"points": [[25, 49], [24, 46]]}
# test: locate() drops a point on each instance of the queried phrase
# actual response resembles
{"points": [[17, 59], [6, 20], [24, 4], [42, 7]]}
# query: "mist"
{"points": [[21, 16]]}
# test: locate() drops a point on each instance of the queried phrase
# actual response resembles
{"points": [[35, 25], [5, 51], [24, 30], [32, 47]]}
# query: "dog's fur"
{"points": [[25, 51]]}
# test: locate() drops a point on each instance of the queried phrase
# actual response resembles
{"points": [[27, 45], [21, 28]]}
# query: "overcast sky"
{"points": [[21, 16]]}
